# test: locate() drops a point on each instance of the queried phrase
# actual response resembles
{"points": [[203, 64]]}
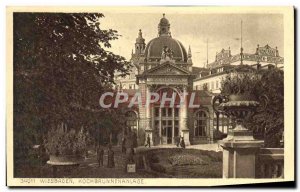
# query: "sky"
{"points": [[221, 31]]}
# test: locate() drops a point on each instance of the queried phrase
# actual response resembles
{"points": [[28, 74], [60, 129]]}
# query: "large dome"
{"points": [[155, 46]]}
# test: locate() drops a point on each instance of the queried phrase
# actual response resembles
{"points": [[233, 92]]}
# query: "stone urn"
{"points": [[239, 107], [65, 160]]}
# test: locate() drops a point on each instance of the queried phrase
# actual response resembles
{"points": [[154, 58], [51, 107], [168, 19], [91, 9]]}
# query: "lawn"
{"points": [[185, 163]]}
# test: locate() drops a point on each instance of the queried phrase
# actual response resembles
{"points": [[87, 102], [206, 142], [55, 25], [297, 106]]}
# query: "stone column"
{"points": [[160, 127], [173, 126], [239, 151], [137, 129], [184, 118], [211, 125], [148, 130]]}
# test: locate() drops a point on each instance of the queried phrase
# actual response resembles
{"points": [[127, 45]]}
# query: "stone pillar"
{"points": [[160, 127], [142, 113], [148, 130], [184, 118], [239, 151], [211, 125]]}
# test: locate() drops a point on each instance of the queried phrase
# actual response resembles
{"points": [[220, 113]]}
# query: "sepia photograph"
{"points": [[150, 96]]}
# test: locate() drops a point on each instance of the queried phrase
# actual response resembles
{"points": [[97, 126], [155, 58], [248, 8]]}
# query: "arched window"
{"points": [[201, 123], [131, 120], [224, 123]]}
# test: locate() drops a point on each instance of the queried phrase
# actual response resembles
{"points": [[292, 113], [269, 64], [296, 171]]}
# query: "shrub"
{"points": [[157, 167], [153, 158], [61, 142], [241, 83], [186, 159]]}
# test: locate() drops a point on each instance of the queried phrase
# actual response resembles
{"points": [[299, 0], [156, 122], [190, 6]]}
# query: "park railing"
{"points": [[270, 163]]}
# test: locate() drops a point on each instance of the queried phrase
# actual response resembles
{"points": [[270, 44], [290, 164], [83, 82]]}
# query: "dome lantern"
{"points": [[164, 27]]}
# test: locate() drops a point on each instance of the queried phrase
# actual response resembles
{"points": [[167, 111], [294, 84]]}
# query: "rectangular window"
{"points": [[156, 112], [176, 123], [176, 111], [176, 131], [156, 125], [169, 112], [164, 131]]}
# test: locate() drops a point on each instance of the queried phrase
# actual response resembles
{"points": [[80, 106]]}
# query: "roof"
{"points": [[155, 46], [197, 69], [227, 69], [202, 97]]}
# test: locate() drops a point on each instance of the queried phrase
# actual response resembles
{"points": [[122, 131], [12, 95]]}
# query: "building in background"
{"points": [[262, 58]]}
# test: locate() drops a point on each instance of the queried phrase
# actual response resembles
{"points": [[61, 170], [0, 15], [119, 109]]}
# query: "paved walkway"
{"points": [[208, 147]]}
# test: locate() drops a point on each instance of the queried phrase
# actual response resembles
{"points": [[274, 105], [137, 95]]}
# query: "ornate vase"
{"points": [[238, 108], [65, 160]]}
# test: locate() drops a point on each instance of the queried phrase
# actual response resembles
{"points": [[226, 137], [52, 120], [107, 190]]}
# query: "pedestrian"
{"points": [[110, 157], [177, 141], [148, 141], [182, 144], [123, 145], [100, 155], [135, 142]]}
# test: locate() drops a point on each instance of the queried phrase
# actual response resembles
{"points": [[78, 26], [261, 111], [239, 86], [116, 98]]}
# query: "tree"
{"points": [[270, 121], [61, 67]]}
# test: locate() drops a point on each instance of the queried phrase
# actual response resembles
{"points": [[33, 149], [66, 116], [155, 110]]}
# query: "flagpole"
{"points": [[241, 43], [241, 33], [206, 53]]}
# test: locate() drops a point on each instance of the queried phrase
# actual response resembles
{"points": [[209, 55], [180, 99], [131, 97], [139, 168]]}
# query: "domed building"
{"points": [[164, 66]]}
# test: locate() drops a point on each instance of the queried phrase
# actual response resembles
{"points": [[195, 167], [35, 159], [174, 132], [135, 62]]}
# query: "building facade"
{"points": [[262, 58], [164, 66]]}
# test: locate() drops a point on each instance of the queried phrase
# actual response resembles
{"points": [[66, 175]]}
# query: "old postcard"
{"points": [[150, 96]]}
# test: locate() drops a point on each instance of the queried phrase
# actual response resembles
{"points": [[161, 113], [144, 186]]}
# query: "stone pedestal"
{"points": [[186, 136], [150, 133], [239, 151]]}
